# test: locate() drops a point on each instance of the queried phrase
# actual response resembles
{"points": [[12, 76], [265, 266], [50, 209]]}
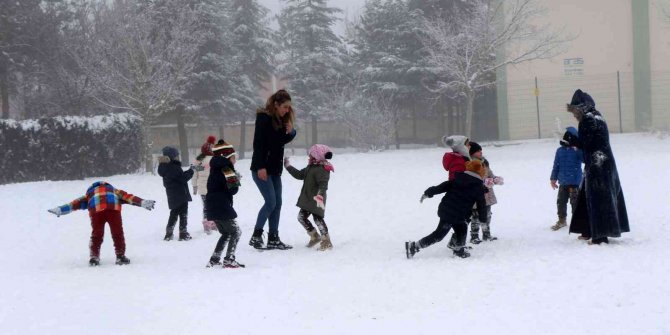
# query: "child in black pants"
{"points": [[175, 181], [223, 182], [466, 189]]}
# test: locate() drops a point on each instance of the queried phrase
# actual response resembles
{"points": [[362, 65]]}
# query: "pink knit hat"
{"points": [[320, 154]]}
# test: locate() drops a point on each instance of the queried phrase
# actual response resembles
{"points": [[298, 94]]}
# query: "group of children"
{"points": [[468, 199], [216, 181]]}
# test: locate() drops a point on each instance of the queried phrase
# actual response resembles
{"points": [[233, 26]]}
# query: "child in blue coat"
{"points": [[567, 172]]}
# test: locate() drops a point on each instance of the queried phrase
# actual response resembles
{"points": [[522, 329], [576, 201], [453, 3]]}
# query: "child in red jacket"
{"points": [[455, 161], [103, 202]]}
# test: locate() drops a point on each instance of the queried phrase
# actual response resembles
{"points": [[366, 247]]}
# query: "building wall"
{"points": [[659, 35]]}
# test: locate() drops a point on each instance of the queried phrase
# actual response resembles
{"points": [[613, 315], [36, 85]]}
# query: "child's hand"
{"points": [[498, 181], [148, 204], [287, 163], [554, 185], [289, 127], [488, 182], [319, 201], [55, 211]]}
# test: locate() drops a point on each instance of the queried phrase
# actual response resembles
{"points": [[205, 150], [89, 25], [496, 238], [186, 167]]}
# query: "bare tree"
{"points": [[468, 47], [139, 58]]}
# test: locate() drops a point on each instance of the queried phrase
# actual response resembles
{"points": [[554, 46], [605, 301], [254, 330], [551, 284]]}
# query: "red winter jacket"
{"points": [[453, 162]]}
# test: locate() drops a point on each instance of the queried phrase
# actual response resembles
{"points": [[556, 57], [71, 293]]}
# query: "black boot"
{"points": [[122, 260], [600, 240], [462, 253], [488, 237], [411, 248], [474, 239], [185, 236], [256, 240], [214, 261], [94, 261], [275, 243], [168, 237]]}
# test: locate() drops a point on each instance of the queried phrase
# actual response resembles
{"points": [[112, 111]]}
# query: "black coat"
{"points": [[466, 190], [175, 181], [269, 145], [601, 209], [219, 198]]}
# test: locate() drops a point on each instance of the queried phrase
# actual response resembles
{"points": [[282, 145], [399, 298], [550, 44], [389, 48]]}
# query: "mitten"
{"points": [[56, 211], [319, 201], [498, 181], [148, 204], [488, 182]]}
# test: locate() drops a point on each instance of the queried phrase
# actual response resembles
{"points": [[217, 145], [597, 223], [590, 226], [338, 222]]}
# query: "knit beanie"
{"points": [[171, 152], [224, 149], [474, 147]]}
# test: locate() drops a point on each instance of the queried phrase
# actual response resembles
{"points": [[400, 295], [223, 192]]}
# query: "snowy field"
{"points": [[531, 281]]}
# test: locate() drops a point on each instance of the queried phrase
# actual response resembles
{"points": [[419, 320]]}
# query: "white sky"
{"points": [[350, 8]]}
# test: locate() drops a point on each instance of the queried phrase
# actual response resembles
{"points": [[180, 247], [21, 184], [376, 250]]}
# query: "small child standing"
{"points": [[103, 202], [490, 179], [222, 184], [465, 190], [199, 180], [454, 161], [175, 181], [312, 200], [567, 171]]}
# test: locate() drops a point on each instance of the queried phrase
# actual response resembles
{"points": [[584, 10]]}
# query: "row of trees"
{"points": [[207, 60]]}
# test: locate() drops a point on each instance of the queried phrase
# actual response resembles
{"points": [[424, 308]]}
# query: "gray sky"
{"points": [[350, 8]]}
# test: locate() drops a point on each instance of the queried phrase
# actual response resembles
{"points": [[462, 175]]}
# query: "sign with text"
{"points": [[573, 66]]}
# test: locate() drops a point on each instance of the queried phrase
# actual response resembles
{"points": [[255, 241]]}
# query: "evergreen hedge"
{"points": [[67, 148]]}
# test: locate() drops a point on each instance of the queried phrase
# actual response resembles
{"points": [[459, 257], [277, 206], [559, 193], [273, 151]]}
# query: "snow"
{"points": [[531, 281]]}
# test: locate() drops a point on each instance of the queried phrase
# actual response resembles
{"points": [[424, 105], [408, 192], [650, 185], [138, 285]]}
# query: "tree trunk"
{"points": [[397, 134], [4, 92], [315, 134], [222, 133], [469, 112], [243, 137], [148, 159], [414, 132], [183, 139]]}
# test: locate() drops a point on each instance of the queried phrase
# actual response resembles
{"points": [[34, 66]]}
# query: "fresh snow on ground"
{"points": [[531, 281]]}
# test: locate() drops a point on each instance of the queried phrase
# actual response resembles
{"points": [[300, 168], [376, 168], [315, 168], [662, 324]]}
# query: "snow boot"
{"points": [[411, 248], [599, 241], [462, 253], [314, 238], [475, 239], [94, 261], [488, 237], [275, 243], [325, 243], [231, 263], [122, 260], [185, 236], [168, 237], [559, 224], [214, 261], [256, 240]]}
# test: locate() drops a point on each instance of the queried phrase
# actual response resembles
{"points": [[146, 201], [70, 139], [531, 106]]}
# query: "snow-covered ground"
{"points": [[531, 281]]}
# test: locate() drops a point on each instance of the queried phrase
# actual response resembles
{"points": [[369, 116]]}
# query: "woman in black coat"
{"points": [[601, 210], [274, 129]]}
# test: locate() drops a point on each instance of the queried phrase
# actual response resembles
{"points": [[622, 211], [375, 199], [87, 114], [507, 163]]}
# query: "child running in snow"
{"points": [[222, 184], [490, 179], [103, 202], [199, 180], [312, 200], [466, 189], [567, 171], [175, 181], [455, 161]]}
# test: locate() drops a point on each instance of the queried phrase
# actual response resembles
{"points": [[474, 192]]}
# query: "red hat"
{"points": [[211, 139]]}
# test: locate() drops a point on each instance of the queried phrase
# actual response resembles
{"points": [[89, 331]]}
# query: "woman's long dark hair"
{"points": [[279, 98]]}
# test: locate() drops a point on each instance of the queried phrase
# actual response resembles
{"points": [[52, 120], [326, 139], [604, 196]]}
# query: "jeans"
{"points": [[271, 210], [566, 193]]}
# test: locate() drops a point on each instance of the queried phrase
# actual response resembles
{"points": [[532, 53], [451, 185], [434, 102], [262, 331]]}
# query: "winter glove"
{"points": [[287, 163], [195, 190], [148, 204], [488, 182], [56, 211], [498, 181], [319, 201], [423, 197]]}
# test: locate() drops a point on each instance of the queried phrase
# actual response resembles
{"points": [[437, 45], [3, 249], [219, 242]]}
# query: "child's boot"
{"points": [[462, 253], [411, 248], [314, 238], [122, 260], [184, 236], [559, 224], [94, 261], [256, 240], [214, 261], [325, 243], [231, 263], [487, 237], [474, 239]]}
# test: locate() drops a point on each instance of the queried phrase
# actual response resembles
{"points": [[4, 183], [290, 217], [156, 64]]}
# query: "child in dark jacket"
{"points": [[103, 202], [175, 181], [465, 190], [490, 180], [567, 171], [223, 182], [312, 200]]}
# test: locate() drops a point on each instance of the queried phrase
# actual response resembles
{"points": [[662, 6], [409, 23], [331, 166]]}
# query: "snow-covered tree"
{"points": [[468, 47], [140, 56], [311, 55]]}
